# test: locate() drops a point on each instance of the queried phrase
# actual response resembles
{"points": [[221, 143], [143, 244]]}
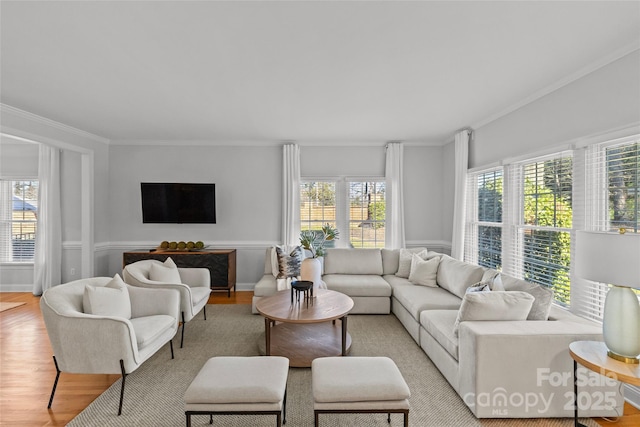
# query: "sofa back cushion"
{"points": [[456, 276], [390, 259], [353, 261]]}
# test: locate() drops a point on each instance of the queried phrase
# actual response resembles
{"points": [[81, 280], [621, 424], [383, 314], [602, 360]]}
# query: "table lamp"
{"points": [[614, 258]]}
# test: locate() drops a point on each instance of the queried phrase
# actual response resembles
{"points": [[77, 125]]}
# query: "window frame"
{"points": [[474, 223], [4, 260], [342, 202]]}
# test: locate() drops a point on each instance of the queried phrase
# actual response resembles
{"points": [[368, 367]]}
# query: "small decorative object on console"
{"points": [[181, 246]]}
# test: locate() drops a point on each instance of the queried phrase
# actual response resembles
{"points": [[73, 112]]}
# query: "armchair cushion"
{"points": [[198, 294], [109, 300], [166, 272], [149, 328]]}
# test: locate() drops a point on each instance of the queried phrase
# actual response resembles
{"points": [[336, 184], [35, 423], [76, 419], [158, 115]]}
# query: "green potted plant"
{"points": [[314, 241]]}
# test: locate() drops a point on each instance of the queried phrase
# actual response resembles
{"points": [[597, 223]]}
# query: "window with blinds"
{"points": [[483, 236], [18, 220], [611, 201], [541, 232]]}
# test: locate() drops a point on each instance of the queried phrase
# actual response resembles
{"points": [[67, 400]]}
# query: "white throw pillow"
{"points": [[109, 300], [166, 272], [497, 305], [423, 272], [404, 263], [496, 283]]}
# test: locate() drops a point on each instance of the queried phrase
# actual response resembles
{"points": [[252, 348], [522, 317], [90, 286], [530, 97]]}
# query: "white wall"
{"points": [[18, 160], [248, 199], [603, 101], [249, 194], [76, 145]]}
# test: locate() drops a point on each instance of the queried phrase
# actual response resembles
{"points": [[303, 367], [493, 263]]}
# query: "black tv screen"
{"points": [[178, 203]]}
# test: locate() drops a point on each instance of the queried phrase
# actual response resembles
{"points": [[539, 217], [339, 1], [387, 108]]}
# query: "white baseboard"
{"points": [[16, 288], [245, 286], [632, 395]]}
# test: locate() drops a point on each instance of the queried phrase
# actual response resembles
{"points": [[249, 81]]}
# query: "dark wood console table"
{"points": [[221, 263]]}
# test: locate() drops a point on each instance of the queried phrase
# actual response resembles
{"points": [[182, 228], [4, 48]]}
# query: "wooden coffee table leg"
{"points": [[344, 335], [267, 336]]}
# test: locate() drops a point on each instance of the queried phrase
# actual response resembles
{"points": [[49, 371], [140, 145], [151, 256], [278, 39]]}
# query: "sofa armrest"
{"points": [[523, 369], [195, 277], [150, 302]]}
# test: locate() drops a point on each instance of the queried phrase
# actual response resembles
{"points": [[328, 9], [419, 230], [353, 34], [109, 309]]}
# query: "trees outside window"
{"points": [[356, 205]]}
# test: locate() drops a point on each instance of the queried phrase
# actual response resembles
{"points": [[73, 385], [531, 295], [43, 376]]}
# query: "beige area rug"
{"points": [[9, 305], [153, 393]]}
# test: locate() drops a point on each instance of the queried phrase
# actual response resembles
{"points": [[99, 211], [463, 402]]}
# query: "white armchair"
{"points": [[101, 344], [195, 288]]}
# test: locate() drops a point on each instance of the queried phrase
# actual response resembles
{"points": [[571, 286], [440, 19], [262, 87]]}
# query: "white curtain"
{"points": [[47, 260], [394, 220], [291, 195], [460, 197]]}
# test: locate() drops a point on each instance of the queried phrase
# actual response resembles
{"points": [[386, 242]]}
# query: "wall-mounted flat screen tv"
{"points": [[178, 203]]}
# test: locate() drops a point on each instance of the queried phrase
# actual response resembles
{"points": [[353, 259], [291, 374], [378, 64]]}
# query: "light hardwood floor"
{"points": [[27, 371]]}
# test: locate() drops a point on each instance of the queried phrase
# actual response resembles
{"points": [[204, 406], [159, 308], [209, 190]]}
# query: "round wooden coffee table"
{"points": [[304, 330]]}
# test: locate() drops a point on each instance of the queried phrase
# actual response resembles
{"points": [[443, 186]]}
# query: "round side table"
{"points": [[593, 355]]}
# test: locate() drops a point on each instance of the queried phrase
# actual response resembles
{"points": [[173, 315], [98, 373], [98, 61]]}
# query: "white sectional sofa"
{"points": [[500, 368]]}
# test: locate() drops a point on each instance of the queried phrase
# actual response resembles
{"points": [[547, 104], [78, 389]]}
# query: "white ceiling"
{"points": [[297, 70]]}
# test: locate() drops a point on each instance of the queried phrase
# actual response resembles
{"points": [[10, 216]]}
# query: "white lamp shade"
{"points": [[614, 259], [610, 258]]}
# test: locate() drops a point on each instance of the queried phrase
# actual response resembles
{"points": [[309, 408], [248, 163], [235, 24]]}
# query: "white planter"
{"points": [[311, 270]]}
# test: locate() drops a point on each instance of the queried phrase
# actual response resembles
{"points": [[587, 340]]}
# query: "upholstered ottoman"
{"points": [[358, 385], [239, 385]]}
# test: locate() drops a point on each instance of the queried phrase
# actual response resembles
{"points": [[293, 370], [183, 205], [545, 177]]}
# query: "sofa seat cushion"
{"points": [[149, 328], [439, 324], [456, 276], [415, 298], [353, 261], [198, 294], [358, 285], [396, 281]]}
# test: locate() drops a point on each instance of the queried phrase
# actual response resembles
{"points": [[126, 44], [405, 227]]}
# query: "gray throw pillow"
{"points": [[289, 263], [543, 296]]}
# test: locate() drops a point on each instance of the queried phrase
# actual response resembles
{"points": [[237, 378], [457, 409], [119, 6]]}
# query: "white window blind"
{"points": [[611, 200], [540, 223], [483, 236], [18, 220]]}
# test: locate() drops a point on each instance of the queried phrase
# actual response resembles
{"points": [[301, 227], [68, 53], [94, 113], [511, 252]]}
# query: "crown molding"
{"points": [[52, 123], [265, 143], [594, 66]]}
